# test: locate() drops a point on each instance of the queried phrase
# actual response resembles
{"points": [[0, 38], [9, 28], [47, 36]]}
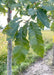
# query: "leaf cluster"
{"points": [[29, 35]]}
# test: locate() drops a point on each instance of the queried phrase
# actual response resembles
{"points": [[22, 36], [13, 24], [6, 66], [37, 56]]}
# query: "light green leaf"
{"points": [[2, 9], [19, 54], [22, 44], [35, 39]]}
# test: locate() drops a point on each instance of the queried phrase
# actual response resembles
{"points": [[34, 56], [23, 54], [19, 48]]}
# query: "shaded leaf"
{"points": [[40, 24], [21, 37]]}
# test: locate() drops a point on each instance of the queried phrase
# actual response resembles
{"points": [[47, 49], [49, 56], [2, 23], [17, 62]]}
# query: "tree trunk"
{"points": [[9, 56], [53, 55]]}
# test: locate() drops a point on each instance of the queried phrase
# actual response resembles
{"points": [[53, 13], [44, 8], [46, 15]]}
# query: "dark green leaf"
{"points": [[11, 28], [42, 17]]}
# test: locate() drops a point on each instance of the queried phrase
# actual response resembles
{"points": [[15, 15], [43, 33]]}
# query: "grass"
{"points": [[48, 39], [48, 42], [3, 52], [47, 36], [3, 44]]}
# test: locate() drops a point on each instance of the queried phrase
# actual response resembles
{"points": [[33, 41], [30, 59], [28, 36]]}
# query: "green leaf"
{"points": [[35, 39], [8, 3], [2, 9], [33, 1], [31, 11], [23, 1], [21, 37], [11, 28], [19, 54], [15, 5], [33, 17], [48, 7], [40, 24], [22, 44], [42, 17]]}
